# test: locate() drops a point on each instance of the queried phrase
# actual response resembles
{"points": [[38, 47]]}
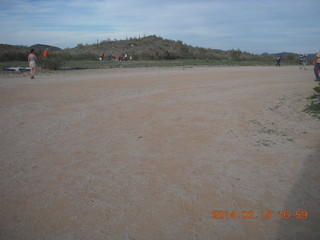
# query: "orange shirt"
{"points": [[317, 60]]}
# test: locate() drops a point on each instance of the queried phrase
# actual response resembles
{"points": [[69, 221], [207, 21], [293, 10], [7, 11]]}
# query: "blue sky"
{"points": [[254, 26]]}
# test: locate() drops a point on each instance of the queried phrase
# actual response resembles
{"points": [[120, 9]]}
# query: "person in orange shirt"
{"points": [[46, 53]]}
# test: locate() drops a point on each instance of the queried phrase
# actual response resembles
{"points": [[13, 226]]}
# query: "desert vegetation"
{"points": [[142, 49], [314, 107]]}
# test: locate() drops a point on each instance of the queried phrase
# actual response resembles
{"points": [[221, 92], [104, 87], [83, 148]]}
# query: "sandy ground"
{"points": [[152, 153]]}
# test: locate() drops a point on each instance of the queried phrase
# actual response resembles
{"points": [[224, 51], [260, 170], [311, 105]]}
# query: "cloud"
{"points": [[255, 26]]}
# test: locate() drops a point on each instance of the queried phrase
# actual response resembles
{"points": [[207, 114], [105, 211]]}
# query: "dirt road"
{"points": [[153, 153]]}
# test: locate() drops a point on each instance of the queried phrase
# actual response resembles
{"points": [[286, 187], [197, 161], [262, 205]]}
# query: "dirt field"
{"points": [[141, 154]]}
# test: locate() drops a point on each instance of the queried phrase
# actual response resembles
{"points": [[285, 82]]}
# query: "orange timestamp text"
{"points": [[265, 214]]}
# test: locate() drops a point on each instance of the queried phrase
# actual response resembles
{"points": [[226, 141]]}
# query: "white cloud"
{"points": [[250, 25]]}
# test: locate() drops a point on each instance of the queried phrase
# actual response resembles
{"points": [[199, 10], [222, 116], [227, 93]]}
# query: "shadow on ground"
{"points": [[304, 196]]}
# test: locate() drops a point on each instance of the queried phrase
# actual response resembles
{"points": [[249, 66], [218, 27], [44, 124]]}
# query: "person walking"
{"points": [[317, 66], [278, 61], [303, 60], [32, 63]]}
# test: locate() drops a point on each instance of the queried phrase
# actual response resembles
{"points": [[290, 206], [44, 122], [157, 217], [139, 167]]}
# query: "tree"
{"points": [[235, 55]]}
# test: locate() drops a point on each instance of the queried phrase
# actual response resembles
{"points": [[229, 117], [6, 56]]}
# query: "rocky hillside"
{"points": [[145, 48], [157, 48]]}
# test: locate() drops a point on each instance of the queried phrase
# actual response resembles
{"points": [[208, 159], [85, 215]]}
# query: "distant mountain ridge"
{"points": [[17, 48], [125, 46], [20, 53], [286, 54], [43, 47], [145, 48]]}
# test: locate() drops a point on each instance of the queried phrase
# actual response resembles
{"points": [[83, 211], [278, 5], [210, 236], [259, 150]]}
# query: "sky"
{"points": [[254, 26]]}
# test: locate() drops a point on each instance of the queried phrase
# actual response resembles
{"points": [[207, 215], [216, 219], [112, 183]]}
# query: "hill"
{"points": [[16, 48], [145, 48], [12, 48], [43, 47], [157, 48], [20, 53], [150, 47], [287, 54]]}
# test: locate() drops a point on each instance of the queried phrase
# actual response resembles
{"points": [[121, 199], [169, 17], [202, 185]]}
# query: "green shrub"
{"points": [[314, 107], [13, 56], [317, 89], [53, 62], [235, 55]]}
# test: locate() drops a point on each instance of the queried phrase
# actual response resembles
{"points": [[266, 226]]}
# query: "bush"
{"points": [[317, 90], [314, 107], [53, 62], [235, 55], [13, 56]]}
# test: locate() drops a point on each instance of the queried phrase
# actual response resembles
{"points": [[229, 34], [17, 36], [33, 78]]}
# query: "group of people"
{"points": [[121, 57], [32, 59], [316, 62], [303, 62]]}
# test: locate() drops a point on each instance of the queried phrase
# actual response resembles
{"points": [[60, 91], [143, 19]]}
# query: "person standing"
{"points": [[317, 66], [45, 57], [32, 63], [46, 53]]}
